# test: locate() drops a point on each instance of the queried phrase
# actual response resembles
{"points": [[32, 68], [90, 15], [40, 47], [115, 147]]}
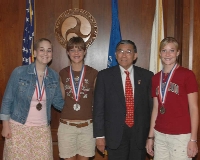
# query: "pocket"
{"points": [[23, 85], [51, 87]]}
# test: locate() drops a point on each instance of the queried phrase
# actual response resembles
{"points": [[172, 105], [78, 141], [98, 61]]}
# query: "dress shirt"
{"points": [[131, 75]]}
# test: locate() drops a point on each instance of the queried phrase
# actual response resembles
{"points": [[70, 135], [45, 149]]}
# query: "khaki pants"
{"points": [[171, 147]]}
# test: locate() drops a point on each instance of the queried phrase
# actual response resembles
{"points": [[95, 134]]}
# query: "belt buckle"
{"points": [[78, 125]]}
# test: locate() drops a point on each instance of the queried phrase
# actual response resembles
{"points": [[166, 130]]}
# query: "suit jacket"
{"points": [[109, 111]]}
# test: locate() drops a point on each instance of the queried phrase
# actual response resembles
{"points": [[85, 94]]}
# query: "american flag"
{"points": [[27, 46], [115, 35]]}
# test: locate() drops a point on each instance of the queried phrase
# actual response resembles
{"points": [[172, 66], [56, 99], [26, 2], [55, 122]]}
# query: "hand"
{"points": [[6, 132], [149, 147], [100, 143], [192, 149]]}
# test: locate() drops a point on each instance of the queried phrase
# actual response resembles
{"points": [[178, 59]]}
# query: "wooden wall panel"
{"points": [[136, 19], [196, 54], [185, 34], [169, 17], [12, 14]]}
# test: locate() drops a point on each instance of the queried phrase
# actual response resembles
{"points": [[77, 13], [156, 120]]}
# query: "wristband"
{"points": [[151, 138], [192, 140]]}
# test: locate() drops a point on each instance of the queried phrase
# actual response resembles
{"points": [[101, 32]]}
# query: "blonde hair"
{"points": [[168, 40]]}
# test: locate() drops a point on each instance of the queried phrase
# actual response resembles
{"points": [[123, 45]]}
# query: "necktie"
{"points": [[129, 101]]}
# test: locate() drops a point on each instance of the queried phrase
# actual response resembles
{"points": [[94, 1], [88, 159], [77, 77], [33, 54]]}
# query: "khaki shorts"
{"points": [[73, 141], [171, 147]]}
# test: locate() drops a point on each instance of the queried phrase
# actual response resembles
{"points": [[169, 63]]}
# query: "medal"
{"points": [[76, 83], [163, 88], [162, 109], [76, 107], [39, 89], [39, 106]]}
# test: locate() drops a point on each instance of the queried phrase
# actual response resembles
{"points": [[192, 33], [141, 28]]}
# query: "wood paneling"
{"points": [[196, 55], [136, 19], [12, 14]]}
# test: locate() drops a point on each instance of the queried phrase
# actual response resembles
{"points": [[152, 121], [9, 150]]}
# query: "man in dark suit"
{"points": [[123, 142]]}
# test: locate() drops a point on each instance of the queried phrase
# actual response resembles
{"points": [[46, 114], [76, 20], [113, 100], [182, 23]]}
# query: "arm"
{"points": [[9, 96], [192, 148], [150, 142], [98, 114], [6, 107], [62, 87]]}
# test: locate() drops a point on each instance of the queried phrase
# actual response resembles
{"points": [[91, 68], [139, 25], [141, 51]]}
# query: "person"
{"points": [[124, 137], [174, 121], [26, 107], [75, 132]]}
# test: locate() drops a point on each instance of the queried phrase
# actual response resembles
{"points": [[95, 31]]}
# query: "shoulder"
{"points": [[64, 70], [91, 70], [143, 71], [110, 70], [156, 76], [52, 72], [185, 72], [21, 69]]}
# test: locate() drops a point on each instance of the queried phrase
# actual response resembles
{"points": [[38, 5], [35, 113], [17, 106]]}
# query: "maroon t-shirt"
{"points": [[83, 111], [176, 119]]}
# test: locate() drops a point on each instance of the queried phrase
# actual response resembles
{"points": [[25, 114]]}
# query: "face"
{"points": [[125, 55], [169, 54], [43, 53], [76, 55]]}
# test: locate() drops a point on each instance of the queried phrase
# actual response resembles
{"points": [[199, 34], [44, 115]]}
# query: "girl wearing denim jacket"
{"points": [[26, 107]]}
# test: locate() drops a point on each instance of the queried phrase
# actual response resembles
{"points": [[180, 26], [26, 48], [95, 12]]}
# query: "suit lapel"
{"points": [[117, 82], [137, 83]]}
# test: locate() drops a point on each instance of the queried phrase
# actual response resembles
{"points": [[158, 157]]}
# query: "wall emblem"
{"points": [[76, 22]]}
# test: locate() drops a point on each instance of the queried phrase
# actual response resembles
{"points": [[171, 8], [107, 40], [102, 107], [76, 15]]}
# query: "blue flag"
{"points": [[115, 35], [27, 45]]}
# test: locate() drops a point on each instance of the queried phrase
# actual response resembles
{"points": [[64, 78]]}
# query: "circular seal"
{"points": [[76, 22]]}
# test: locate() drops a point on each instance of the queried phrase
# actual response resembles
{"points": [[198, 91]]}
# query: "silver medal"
{"points": [[76, 107]]}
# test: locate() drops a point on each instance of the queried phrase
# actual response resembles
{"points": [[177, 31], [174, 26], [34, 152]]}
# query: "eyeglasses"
{"points": [[128, 52]]}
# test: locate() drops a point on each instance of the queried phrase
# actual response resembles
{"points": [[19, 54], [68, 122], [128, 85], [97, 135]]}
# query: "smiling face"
{"points": [[43, 52], [76, 50], [76, 54], [125, 55], [169, 54]]}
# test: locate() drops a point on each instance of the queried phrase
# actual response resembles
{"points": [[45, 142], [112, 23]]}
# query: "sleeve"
{"points": [[153, 89], [61, 73], [191, 83], [58, 101], [8, 98], [98, 109], [149, 93]]}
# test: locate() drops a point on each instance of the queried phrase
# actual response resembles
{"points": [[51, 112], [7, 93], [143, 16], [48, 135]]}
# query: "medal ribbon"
{"points": [[76, 90], [163, 95], [40, 90]]}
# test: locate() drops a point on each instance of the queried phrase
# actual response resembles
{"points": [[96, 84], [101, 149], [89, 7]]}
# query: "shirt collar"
{"points": [[130, 69]]}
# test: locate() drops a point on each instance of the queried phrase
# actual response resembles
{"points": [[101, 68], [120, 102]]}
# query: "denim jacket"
{"points": [[20, 89]]}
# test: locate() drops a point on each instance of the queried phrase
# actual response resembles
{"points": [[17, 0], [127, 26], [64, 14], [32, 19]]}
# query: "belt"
{"points": [[78, 125]]}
